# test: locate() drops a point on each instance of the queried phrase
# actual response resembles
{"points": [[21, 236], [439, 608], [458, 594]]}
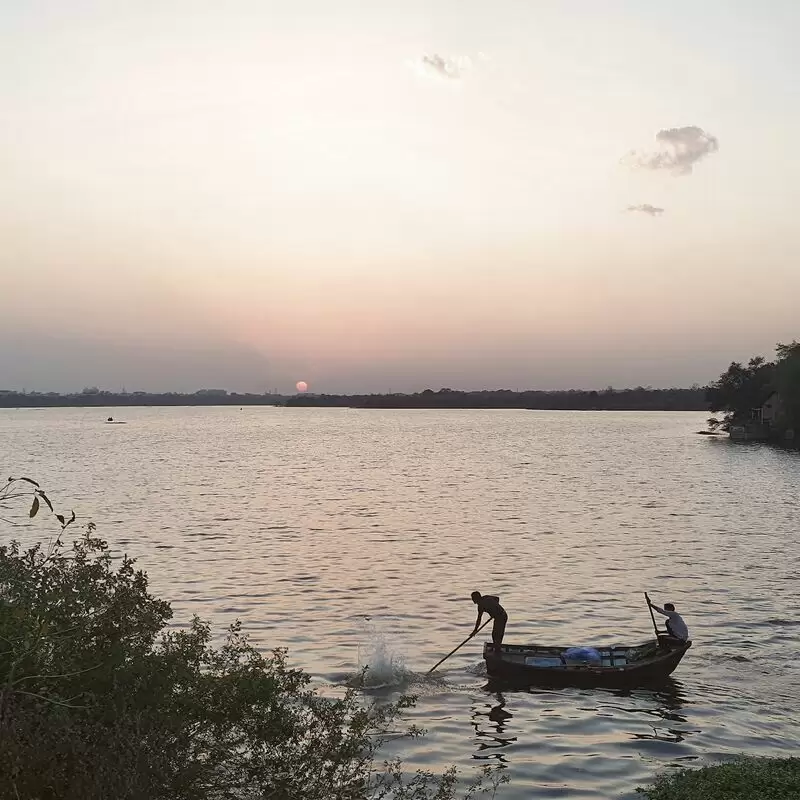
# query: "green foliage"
{"points": [[745, 779], [740, 389], [787, 380], [99, 700]]}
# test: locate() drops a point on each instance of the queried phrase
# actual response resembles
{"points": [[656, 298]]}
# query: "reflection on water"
{"points": [[669, 702], [303, 522], [490, 723], [553, 727], [665, 703], [494, 730], [556, 727]]}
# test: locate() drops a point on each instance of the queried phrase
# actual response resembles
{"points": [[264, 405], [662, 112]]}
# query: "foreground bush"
{"points": [[99, 701], [745, 779]]}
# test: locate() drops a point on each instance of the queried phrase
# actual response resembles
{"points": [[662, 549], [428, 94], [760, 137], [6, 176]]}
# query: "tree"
{"points": [[787, 382], [739, 390]]}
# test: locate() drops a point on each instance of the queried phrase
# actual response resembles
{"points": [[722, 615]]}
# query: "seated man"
{"points": [[676, 627], [490, 604]]}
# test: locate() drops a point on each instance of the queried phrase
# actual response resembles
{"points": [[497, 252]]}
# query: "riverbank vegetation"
{"points": [[761, 392], [638, 399], [92, 397], [744, 779], [100, 699], [610, 399]]}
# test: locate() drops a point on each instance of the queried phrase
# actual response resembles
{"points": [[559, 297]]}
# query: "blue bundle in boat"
{"points": [[582, 655]]}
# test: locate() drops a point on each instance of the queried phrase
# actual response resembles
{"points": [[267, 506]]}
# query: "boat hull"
{"points": [[658, 660]]}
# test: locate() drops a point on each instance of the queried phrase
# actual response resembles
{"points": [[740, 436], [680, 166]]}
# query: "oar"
{"points": [[652, 615], [459, 647]]}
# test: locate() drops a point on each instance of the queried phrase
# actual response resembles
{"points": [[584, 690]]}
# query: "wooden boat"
{"points": [[618, 666]]}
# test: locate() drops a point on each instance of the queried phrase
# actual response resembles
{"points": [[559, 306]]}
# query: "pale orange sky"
{"points": [[251, 195]]}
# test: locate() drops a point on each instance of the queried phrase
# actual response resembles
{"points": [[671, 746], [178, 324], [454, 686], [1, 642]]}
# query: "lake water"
{"points": [[357, 536]]}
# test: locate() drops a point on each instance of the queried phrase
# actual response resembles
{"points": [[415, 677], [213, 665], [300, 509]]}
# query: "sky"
{"points": [[374, 196]]}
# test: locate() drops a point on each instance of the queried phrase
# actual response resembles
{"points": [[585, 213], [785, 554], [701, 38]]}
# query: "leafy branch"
{"points": [[16, 488]]}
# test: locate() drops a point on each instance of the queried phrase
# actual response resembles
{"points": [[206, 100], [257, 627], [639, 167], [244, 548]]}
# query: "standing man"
{"points": [[490, 604]]}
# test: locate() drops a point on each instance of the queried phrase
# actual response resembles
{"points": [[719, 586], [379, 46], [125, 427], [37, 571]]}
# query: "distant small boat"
{"points": [[112, 421], [619, 666]]}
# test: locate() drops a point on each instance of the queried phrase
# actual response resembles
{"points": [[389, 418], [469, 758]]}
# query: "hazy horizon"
{"points": [[371, 196]]}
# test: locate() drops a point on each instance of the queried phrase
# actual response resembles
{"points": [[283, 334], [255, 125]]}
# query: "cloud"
{"points": [[646, 208], [679, 149], [447, 67], [444, 67], [450, 68]]}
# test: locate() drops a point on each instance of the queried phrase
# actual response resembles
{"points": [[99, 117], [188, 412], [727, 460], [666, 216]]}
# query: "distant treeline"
{"points": [[96, 397], [638, 399]]}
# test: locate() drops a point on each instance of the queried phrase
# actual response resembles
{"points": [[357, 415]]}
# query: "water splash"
{"points": [[380, 665]]}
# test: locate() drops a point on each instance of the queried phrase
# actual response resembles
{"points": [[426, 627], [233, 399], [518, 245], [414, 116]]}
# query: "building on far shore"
{"points": [[772, 410], [766, 422]]}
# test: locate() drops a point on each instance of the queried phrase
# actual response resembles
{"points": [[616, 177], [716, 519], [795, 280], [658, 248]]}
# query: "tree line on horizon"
{"points": [[94, 397], [637, 399]]}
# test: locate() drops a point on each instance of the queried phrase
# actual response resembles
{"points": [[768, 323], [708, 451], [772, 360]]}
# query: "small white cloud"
{"points": [[679, 149], [444, 67], [646, 208], [450, 68]]}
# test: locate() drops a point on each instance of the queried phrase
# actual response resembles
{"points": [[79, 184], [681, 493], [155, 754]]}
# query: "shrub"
{"points": [[744, 779]]}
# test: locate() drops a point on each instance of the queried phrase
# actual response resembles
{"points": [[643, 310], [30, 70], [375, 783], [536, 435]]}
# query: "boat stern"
{"points": [[492, 655]]}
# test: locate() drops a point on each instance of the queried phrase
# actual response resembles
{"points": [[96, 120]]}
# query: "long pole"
{"points": [[459, 647], [652, 615]]}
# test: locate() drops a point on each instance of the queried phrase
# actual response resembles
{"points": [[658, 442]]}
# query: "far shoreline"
{"points": [[637, 399]]}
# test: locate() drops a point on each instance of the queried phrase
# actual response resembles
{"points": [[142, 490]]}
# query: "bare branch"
{"points": [[48, 699], [51, 677]]}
